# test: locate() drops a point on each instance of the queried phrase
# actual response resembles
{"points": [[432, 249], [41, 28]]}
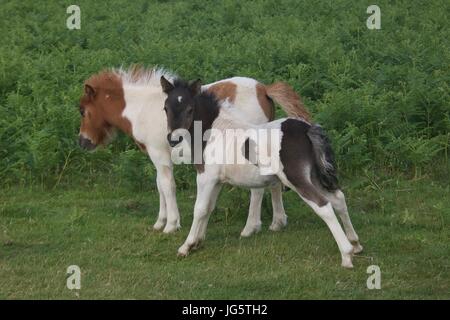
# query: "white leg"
{"points": [[327, 214], [207, 191], [253, 224], [338, 202], [279, 219], [212, 204], [167, 184], [162, 215]]}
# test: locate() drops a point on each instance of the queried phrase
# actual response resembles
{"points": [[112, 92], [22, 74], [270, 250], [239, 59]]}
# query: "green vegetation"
{"points": [[107, 232], [383, 96]]}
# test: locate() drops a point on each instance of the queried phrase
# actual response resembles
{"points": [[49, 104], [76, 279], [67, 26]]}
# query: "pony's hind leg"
{"points": [[253, 224], [322, 207], [337, 200], [325, 211], [279, 219]]}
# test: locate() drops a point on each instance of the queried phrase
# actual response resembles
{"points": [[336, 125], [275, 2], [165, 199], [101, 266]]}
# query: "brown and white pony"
{"points": [[132, 101], [300, 153]]}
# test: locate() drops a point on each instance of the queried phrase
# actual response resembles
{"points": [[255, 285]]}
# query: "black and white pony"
{"points": [[234, 151]]}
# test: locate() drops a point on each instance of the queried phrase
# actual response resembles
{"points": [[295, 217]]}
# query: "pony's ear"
{"points": [[166, 85], [89, 91], [196, 86]]}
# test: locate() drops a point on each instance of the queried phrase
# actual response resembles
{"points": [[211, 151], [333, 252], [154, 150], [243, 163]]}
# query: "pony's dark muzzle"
{"points": [[86, 143], [172, 142]]}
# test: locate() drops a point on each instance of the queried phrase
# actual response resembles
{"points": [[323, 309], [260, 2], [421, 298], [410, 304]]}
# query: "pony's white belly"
{"points": [[246, 175]]}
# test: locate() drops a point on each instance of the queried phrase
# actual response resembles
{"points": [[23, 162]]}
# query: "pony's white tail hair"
{"points": [[288, 99]]}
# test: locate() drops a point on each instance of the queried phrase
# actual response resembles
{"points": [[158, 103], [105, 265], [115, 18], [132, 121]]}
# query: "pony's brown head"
{"points": [[94, 128], [101, 107]]}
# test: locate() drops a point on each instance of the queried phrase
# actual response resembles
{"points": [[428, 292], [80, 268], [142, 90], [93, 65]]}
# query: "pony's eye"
{"points": [[82, 112], [165, 108]]}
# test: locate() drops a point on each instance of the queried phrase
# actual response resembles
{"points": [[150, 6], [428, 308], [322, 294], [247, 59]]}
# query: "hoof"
{"points": [[279, 224], [347, 262], [171, 228], [159, 225], [248, 231], [182, 254], [357, 248], [184, 250], [347, 265]]}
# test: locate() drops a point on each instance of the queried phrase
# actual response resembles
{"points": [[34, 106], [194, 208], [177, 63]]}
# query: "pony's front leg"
{"points": [[253, 224], [279, 219], [162, 215], [168, 201], [207, 192]]}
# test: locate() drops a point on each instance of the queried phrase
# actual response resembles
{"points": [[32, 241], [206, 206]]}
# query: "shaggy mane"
{"points": [[139, 75], [134, 75]]}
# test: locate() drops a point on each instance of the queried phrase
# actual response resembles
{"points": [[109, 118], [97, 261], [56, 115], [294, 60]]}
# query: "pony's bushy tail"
{"points": [[288, 99], [324, 158]]}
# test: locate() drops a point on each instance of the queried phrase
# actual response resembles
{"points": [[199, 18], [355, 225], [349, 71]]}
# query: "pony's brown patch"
{"points": [[288, 99], [102, 106], [265, 102], [224, 90], [141, 146]]}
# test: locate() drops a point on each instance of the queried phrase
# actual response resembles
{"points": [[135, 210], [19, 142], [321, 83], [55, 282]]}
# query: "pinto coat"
{"points": [[132, 101], [300, 158]]}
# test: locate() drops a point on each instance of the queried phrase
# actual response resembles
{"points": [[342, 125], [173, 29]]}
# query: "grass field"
{"points": [[382, 95], [106, 231]]}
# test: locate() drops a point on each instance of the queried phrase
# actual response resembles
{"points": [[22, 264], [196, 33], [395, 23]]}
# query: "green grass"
{"points": [[106, 231]]}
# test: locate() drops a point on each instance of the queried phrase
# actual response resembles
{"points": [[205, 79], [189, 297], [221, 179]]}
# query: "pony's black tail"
{"points": [[324, 157]]}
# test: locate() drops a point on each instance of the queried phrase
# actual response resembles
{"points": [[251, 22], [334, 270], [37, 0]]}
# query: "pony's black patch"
{"points": [[324, 157], [248, 149], [296, 155]]}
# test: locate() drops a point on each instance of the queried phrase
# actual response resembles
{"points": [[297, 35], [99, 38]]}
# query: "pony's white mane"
{"points": [[143, 76]]}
